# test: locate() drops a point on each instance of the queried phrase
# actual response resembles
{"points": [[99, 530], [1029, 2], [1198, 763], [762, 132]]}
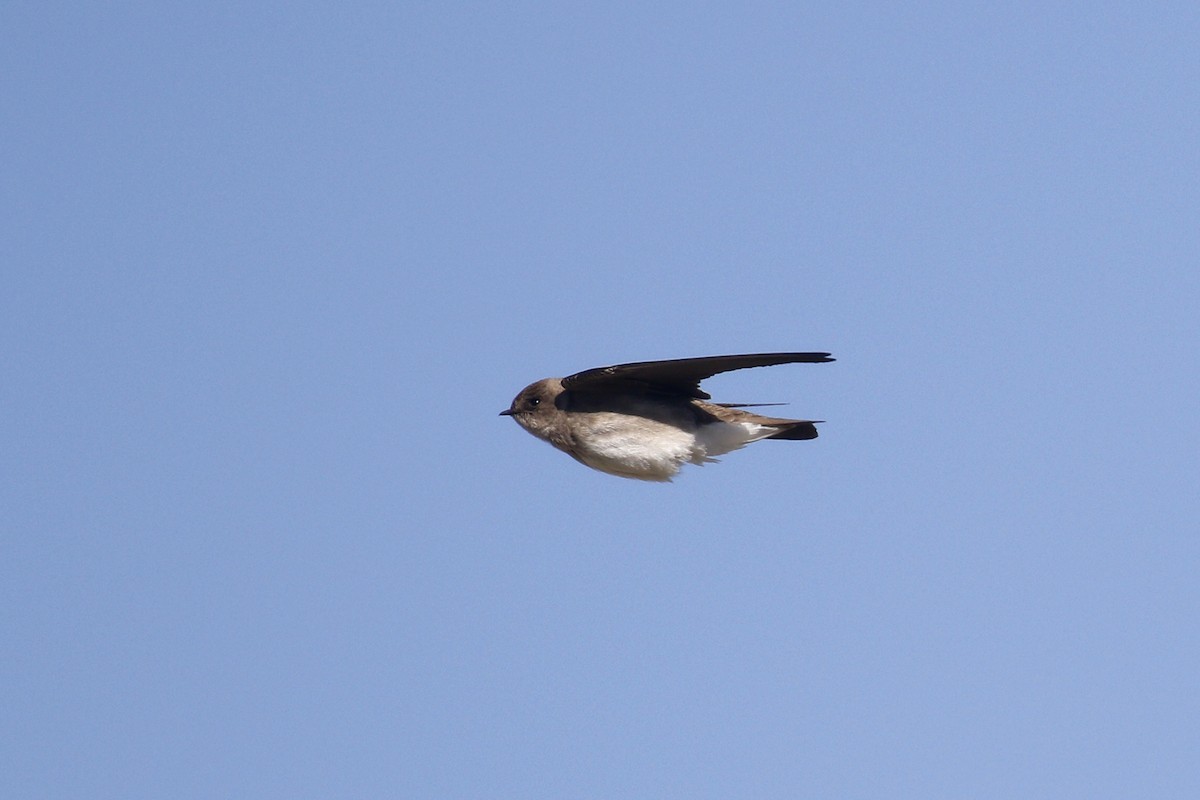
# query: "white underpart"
{"points": [[656, 451], [719, 438]]}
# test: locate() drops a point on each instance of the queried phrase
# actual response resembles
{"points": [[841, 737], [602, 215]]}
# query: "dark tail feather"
{"points": [[804, 429]]}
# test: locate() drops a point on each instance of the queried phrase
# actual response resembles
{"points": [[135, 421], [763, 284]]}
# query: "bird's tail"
{"points": [[800, 429]]}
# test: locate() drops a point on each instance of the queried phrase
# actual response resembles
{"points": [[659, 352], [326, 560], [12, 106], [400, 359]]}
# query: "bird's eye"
{"points": [[533, 401]]}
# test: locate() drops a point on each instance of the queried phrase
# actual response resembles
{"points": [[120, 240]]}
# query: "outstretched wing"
{"points": [[680, 376]]}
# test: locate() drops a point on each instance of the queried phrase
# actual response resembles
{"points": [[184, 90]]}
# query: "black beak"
{"points": [[508, 412]]}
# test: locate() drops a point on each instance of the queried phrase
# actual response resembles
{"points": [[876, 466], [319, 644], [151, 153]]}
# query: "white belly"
{"points": [[655, 451]]}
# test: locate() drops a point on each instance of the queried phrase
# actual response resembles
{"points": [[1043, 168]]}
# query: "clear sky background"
{"points": [[271, 270]]}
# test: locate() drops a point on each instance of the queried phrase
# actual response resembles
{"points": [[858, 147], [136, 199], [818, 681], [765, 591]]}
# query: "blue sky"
{"points": [[271, 271]]}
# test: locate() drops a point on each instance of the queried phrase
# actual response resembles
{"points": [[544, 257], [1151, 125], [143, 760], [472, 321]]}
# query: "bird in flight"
{"points": [[647, 419]]}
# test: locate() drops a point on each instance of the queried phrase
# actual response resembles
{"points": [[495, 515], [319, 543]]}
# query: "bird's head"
{"points": [[535, 408]]}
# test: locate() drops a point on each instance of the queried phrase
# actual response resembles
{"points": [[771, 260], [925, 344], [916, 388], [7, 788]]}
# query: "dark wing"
{"points": [[680, 376]]}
